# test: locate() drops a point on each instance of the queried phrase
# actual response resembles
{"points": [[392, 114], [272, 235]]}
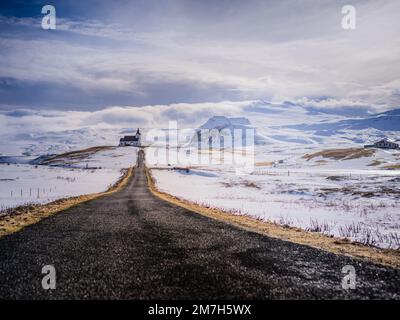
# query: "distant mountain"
{"points": [[347, 111], [221, 122], [220, 126], [387, 121]]}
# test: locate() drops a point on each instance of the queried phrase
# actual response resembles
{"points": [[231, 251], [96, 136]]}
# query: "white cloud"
{"points": [[116, 117], [156, 116], [254, 50]]}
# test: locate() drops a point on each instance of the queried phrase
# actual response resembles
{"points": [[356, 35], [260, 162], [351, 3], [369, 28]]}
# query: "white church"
{"points": [[134, 141]]}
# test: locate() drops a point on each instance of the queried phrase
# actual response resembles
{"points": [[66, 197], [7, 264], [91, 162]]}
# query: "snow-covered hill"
{"points": [[220, 126], [279, 125], [221, 122], [388, 121]]}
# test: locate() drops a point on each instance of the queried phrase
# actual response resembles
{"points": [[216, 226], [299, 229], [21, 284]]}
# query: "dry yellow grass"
{"points": [[264, 164], [341, 154], [28, 215], [392, 166], [387, 257], [376, 163]]}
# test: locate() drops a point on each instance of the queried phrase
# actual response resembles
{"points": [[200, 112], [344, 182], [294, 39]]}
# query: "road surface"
{"points": [[132, 245]]}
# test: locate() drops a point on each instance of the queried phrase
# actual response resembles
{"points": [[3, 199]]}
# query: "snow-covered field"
{"points": [[351, 192], [65, 176], [357, 205]]}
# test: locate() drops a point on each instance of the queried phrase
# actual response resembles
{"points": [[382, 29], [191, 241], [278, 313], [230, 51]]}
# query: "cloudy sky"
{"points": [[146, 52]]}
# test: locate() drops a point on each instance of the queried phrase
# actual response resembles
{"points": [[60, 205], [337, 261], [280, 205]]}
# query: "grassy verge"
{"points": [[388, 257], [18, 218]]}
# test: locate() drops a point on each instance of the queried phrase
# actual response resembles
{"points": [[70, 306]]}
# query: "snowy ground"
{"points": [[310, 170], [22, 183], [342, 197], [359, 206]]}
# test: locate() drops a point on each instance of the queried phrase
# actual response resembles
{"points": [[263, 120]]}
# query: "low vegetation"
{"points": [[243, 183], [357, 191], [392, 166], [341, 154], [376, 163], [264, 164]]}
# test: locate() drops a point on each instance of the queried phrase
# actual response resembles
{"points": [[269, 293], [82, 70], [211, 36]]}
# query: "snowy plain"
{"points": [[354, 196], [23, 183], [315, 201]]}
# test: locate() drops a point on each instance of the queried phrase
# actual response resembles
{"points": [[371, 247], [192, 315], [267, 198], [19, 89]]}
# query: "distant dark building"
{"points": [[383, 144], [134, 141]]}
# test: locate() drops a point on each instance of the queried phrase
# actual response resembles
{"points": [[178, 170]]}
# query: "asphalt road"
{"points": [[132, 245]]}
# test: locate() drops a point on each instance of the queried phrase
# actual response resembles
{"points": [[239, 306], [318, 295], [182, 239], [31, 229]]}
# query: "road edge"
{"points": [[29, 215], [340, 246]]}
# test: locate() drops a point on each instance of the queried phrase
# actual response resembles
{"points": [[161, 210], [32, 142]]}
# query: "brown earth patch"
{"points": [[341, 154]]}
